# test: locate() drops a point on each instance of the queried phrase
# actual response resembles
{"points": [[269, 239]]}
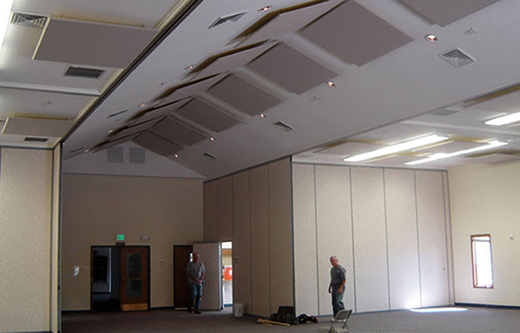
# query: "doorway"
{"points": [[181, 258], [120, 278], [227, 273]]}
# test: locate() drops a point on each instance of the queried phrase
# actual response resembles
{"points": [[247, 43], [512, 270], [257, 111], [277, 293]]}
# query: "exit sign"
{"points": [[120, 237]]}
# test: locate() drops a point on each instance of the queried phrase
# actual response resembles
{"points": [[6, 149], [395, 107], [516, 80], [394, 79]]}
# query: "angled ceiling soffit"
{"points": [[111, 143], [187, 89], [354, 34], [206, 115], [226, 61], [444, 12], [291, 69], [285, 20], [175, 131], [36, 127], [156, 144], [243, 95], [136, 128], [157, 112], [92, 43]]}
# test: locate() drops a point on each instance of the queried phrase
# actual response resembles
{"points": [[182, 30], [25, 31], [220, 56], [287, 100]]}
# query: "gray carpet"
{"points": [[475, 320]]}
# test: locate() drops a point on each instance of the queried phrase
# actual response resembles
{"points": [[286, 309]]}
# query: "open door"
{"points": [[134, 263], [181, 258], [210, 256]]}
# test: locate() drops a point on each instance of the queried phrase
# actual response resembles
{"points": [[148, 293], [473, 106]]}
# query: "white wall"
{"points": [[485, 200], [388, 228], [96, 208], [27, 288]]}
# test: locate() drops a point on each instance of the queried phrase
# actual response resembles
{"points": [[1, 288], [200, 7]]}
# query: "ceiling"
{"points": [[219, 86]]}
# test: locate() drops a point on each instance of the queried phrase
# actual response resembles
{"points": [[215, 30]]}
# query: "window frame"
{"points": [[474, 263]]}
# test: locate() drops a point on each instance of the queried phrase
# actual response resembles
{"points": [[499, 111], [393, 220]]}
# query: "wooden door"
{"points": [[181, 258], [134, 262]]}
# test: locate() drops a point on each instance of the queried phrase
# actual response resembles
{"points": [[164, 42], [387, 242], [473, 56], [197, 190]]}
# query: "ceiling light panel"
{"points": [[175, 131], [243, 95], [159, 112], [186, 90], [36, 127], [206, 115], [504, 120], [496, 158], [444, 12], [449, 147], [92, 43], [229, 60], [136, 128], [291, 69], [156, 144], [338, 31], [286, 20]]}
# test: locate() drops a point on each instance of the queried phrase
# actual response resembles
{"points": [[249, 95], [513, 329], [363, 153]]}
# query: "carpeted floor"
{"points": [[475, 320]]}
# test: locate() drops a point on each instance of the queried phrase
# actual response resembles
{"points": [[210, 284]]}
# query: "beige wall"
{"points": [[27, 288], [96, 208], [254, 207], [485, 200], [388, 228]]}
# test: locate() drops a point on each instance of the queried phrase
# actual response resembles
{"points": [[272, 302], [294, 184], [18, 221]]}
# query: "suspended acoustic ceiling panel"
{"points": [[285, 21], [350, 148], [156, 144], [175, 131], [112, 143], [232, 59], [243, 95], [495, 158], [186, 90], [450, 147], [36, 127], [155, 113], [206, 115], [291, 69], [92, 43], [354, 34], [444, 12], [135, 128]]}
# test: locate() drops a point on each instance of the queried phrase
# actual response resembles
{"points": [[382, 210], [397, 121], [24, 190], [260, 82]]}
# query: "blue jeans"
{"points": [[195, 296], [337, 300]]}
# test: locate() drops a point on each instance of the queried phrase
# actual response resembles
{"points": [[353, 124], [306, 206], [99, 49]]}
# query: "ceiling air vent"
{"points": [[208, 155], [89, 73], [28, 20], [225, 19], [284, 126], [34, 139], [457, 58], [116, 113]]}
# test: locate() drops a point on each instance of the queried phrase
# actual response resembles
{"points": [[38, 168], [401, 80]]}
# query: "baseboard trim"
{"points": [[493, 306]]}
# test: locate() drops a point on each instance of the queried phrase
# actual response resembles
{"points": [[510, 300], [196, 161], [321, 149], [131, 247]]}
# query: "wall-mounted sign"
{"points": [[120, 239]]}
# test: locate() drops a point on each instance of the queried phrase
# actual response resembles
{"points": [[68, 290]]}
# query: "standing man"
{"points": [[195, 272], [337, 285]]}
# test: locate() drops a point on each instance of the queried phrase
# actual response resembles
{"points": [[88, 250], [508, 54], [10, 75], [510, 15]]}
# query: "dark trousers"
{"points": [[337, 300], [195, 296]]}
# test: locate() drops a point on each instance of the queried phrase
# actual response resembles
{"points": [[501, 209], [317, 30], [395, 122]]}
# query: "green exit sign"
{"points": [[120, 238]]}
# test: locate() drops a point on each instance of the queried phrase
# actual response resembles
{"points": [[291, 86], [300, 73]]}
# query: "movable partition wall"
{"points": [[389, 228]]}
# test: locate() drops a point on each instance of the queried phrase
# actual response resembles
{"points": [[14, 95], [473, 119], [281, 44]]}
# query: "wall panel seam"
{"points": [[418, 239], [446, 235], [250, 244], [353, 239], [317, 238], [269, 232], [386, 240]]}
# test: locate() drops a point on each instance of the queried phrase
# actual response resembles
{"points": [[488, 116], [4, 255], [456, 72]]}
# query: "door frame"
{"points": [[147, 275]]}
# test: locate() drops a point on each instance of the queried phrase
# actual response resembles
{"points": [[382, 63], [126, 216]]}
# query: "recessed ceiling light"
{"points": [[142, 105], [212, 138], [504, 120], [439, 156], [397, 148], [110, 131], [331, 84], [262, 115], [86, 150], [264, 9], [176, 155], [431, 38], [189, 67]]}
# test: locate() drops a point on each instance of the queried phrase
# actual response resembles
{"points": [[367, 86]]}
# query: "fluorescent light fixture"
{"points": [[397, 148], [504, 120], [5, 14], [439, 156], [433, 310]]}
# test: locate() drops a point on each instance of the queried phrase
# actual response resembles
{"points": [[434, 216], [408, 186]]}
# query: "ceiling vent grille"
{"points": [[284, 126], [208, 155], [225, 19], [33, 139], [89, 73], [28, 20], [116, 113], [457, 58]]}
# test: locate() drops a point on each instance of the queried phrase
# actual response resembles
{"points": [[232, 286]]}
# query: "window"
{"points": [[482, 261]]}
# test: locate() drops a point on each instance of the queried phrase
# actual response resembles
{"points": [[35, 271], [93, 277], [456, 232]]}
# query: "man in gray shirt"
{"points": [[195, 272], [337, 285]]}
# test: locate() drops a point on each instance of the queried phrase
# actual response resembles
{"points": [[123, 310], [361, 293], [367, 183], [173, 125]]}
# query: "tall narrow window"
{"points": [[482, 261]]}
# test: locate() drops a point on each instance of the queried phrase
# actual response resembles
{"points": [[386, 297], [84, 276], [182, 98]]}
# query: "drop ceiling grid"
{"points": [[243, 95], [291, 69]]}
